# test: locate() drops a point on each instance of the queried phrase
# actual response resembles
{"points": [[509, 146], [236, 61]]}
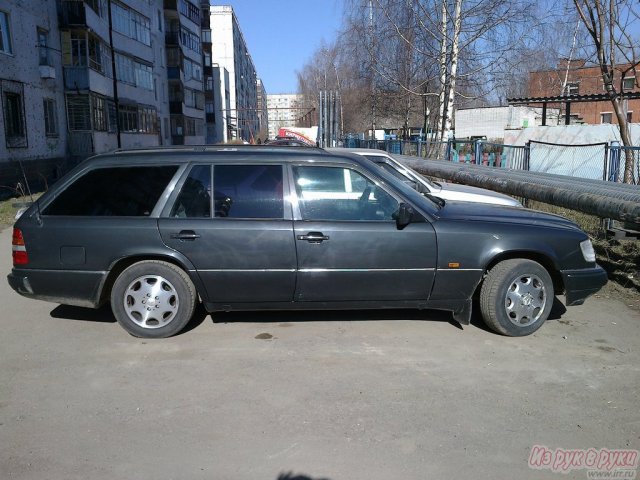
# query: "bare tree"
{"points": [[615, 48]]}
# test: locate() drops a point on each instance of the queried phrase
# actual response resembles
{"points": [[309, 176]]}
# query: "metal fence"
{"points": [[597, 161], [618, 158]]}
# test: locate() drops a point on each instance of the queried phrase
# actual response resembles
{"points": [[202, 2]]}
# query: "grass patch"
{"points": [[8, 209]]}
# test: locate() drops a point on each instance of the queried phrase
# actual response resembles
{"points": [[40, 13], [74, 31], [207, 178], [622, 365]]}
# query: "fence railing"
{"points": [[599, 161]]}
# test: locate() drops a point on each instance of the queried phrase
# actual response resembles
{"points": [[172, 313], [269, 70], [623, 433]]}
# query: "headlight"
{"points": [[588, 252]]}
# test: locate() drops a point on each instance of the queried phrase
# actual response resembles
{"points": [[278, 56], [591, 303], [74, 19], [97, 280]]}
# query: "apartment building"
{"points": [[584, 89], [262, 111], [114, 73], [284, 110], [229, 52], [32, 120], [183, 45]]}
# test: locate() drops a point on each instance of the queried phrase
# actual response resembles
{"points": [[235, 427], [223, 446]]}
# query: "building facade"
{"points": [[585, 80], [229, 52], [32, 120], [263, 112], [186, 80], [284, 111]]}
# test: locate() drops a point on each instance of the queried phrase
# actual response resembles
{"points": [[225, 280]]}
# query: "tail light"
{"points": [[19, 249]]}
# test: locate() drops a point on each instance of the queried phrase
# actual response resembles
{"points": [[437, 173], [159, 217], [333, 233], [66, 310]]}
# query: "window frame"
{"points": [[625, 80], [15, 129], [5, 33], [602, 117], [50, 118]]}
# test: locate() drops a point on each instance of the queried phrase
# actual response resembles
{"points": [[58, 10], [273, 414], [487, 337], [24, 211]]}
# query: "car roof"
{"points": [[360, 151], [185, 154]]}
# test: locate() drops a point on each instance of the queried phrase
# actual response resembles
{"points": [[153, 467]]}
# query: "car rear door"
{"points": [[348, 245], [231, 221]]}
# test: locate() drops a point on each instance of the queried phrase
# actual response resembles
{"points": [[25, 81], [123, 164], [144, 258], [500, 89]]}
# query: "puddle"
{"points": [[264, 336]]}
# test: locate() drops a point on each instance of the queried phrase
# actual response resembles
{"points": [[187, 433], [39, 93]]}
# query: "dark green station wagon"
{"points": [[156, 231]]}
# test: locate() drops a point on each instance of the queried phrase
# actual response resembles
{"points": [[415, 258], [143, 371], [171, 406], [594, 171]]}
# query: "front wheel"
{"points": [[516, 297], [153, 299]]}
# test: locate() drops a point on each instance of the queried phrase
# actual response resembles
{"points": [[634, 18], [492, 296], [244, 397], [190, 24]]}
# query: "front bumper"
{"points": [[579, 284]]}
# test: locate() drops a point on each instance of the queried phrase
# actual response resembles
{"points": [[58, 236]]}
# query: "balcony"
{"points": [[175, 107], [174, 73], [171, 4], [172, 38], [72, 13], [76, 78]]}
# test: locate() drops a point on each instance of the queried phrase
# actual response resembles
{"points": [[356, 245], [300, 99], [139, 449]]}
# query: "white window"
{"points": [[605, 117], [43, 47], [629, 83], [573, 88]]}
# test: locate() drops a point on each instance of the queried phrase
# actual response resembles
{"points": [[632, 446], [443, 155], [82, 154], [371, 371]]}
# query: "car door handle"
{"points": [[185, 235], [313, 237]]}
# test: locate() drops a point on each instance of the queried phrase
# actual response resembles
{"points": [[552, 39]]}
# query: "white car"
{"points": [[446, 191]]}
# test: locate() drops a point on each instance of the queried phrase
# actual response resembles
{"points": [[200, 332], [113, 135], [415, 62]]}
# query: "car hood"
{"points": [[466, 193], [470, 211]]}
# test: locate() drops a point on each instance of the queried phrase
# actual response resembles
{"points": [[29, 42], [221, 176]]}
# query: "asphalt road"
{"points": [[332, 395]]}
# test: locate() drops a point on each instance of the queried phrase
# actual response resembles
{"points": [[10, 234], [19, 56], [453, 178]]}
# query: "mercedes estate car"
{"points": [[153, 232], [444, 190]]}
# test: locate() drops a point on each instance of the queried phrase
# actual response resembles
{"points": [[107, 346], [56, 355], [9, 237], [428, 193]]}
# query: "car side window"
{"points": [[248, 191], [194, 200], [333, 193], [114, 191]]}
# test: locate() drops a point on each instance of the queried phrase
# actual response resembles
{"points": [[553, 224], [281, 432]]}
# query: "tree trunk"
{"points": [[457, 23], [443, 71]]}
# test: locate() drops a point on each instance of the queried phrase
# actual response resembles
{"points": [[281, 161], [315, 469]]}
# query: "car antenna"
{"points": [[26, 182]]}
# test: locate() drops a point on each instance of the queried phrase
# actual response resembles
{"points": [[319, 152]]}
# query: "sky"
{"points": [[281, 35]]}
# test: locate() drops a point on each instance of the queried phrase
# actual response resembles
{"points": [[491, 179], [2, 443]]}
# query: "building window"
{"points": [[206, 36], [14, 120], [5, 33], [189, 10], [99, 112], [629, 117], [208, 84], [629, 83], [572, 88], [74, 49], [78, 113], [130, 23], [605, 117], [189, 40], [98, 6], [128, 119], [43, 47], [50, 124]]}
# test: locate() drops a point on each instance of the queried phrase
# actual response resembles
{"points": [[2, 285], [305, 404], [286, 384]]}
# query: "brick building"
{"points": [[583, 80]]}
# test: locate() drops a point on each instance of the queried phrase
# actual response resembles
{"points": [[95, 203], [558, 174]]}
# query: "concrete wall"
{"points": [[491, 122]]}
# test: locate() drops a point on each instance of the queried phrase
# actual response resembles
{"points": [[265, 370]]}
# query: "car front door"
{"points": [[230, 221], [348, 244]]}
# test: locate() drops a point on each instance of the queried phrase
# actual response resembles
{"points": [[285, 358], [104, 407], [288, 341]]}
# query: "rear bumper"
{"points": [[78, 288], [579, 284]]}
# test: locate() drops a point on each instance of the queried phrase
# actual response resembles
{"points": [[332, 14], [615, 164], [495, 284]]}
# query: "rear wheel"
{"points": [[153, 299], [516, 297]]}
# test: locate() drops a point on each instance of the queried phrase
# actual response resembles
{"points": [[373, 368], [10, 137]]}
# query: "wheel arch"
{"points": [[545, 260], [118, 266]]}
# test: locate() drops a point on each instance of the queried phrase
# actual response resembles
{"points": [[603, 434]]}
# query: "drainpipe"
{"points": [[113, 74]]}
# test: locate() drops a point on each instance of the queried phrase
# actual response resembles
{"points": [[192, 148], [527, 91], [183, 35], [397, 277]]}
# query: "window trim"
{"points": [[6, 33], [50, 110], [602, 114]]}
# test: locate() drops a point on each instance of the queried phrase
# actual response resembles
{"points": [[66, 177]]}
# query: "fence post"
{"points": [[614, 162], [527, 156], [447, 153], [477, 152], [420, 147]]}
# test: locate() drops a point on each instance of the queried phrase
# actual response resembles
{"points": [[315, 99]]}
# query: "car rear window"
{"points": [[117, 191]]}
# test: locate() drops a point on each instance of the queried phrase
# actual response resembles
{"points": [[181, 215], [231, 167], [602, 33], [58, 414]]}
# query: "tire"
{"points": [[153, 299], [516, 297]]}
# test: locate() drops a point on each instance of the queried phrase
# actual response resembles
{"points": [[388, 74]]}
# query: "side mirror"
{"points": [[404, 216]]}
